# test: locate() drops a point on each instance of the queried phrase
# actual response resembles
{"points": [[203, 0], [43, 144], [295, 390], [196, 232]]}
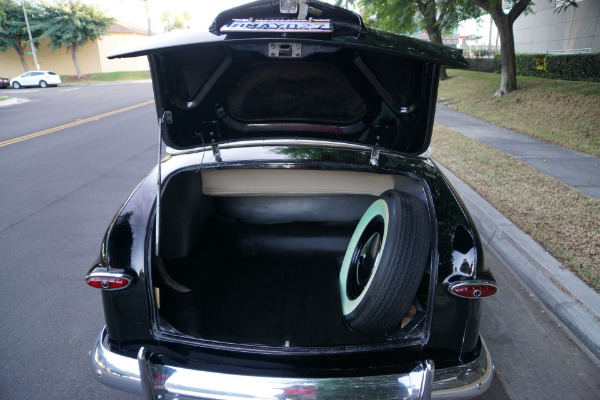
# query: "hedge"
{"points": [[571, 67]]}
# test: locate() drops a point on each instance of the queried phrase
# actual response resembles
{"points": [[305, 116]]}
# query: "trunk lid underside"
{"points": [[351, 84]]}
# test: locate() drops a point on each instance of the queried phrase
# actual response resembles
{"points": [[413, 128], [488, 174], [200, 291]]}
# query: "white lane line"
{"points": [[67, 90]]}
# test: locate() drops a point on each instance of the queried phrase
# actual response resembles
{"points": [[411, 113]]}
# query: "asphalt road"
{"points": [[58, 192]]}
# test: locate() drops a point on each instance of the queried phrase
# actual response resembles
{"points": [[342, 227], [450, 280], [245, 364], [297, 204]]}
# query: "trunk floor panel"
{"points": [[267, 300]]}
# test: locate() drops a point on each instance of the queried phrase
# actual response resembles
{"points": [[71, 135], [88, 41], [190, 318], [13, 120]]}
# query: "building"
{"points": [[576, 30], [91, 57]]}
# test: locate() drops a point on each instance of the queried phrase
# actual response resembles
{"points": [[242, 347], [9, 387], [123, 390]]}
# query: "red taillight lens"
{"points": [[473, 290], [108, 282]]}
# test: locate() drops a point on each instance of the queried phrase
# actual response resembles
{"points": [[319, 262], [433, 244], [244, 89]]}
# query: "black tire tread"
{"points": [[397, 279]]}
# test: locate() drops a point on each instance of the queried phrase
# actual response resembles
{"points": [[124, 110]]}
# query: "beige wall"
{"points": [[110, 43], [91, 57]]}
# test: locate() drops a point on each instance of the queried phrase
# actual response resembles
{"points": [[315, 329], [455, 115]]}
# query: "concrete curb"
{"points": [[11, 101], [571, 300]]}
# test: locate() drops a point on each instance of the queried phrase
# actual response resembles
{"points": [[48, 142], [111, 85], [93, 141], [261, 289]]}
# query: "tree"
{"points": [[438, 17], [504, 22], [72, 24], [175, 21], [13, 30]]}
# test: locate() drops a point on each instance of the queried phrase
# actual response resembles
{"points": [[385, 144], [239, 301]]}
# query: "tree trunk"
{"points": [[21, 53], [508, 82], [435, 34], [75, 61], [504, 23]]}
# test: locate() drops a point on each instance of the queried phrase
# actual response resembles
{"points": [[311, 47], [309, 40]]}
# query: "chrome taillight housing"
{"points": [[108, 280], [473, 289]]}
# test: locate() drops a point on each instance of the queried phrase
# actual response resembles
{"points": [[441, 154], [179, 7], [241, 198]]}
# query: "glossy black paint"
{"points": [[128, 313], [386, 139]]}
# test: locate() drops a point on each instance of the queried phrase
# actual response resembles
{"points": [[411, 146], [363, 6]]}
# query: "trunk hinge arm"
{"points": [[374, 161], [165, 119], [216, 152]]}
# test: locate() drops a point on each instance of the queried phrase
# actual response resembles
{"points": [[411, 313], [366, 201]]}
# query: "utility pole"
{"points": [[37, 66], [148, 15]]}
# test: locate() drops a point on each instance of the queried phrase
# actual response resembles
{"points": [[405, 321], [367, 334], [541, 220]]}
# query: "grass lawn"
{"points": [[561, 112], [107, 77], [563, 220]]}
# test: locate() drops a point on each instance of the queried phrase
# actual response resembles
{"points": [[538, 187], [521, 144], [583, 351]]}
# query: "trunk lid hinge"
{"points": [[374, 161], [209, 130], [215, 137], [216, 152]]}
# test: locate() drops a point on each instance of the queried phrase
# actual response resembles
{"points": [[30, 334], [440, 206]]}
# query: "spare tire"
{"points": [[384, 262]]}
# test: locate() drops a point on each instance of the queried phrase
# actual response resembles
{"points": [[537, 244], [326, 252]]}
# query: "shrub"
{"points": [[572, 67], [497, 63]]}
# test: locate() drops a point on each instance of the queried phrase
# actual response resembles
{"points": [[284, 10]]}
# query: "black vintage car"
{"points": [[302, 244]]}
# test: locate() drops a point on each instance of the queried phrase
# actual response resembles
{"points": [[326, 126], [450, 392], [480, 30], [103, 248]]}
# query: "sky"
{"points": [[203, 12]]}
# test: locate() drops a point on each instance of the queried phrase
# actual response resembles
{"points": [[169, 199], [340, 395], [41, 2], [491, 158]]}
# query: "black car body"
{"points": [[305, 246], [4, 83]]}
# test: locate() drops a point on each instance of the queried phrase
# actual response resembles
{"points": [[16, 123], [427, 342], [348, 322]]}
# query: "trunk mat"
{"points": [[276, 301]]}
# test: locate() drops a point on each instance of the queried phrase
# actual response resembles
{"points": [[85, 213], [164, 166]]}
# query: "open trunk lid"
{"points": [[261, 74]]}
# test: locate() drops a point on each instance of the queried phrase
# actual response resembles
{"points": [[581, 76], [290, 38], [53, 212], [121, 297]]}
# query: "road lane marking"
{"points": [[71, 124], [68, 90]]}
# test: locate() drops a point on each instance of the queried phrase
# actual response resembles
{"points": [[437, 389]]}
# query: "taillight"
{"points": [[108, 281], [473, 289]]}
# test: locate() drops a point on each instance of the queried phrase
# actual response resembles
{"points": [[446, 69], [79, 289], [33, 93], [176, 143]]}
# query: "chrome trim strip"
{"points": [[273, 142], [296, 143], [121, 372]]}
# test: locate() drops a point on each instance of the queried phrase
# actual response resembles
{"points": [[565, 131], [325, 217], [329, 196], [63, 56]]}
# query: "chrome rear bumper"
{"points": [[161, 382]]}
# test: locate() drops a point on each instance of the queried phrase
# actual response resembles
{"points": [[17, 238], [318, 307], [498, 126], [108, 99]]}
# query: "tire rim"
{"points": [[375, 220], [364, 258]]}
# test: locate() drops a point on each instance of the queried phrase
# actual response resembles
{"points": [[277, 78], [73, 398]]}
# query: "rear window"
{"points": [[294, 92], [51, 73]]}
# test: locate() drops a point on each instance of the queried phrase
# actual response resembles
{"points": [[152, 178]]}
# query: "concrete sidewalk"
{"points": [[576, 169], [572, 301]]}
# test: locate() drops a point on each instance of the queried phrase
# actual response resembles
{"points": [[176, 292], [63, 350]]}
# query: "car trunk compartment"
{"points": [[262, 269]]}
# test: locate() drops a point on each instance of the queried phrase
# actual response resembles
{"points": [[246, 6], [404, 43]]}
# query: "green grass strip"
{"points": [[560, 112], [561, 219]]}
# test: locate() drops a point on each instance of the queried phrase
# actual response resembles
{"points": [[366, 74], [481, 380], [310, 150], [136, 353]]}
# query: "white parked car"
{"points": [[36, 78]]}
